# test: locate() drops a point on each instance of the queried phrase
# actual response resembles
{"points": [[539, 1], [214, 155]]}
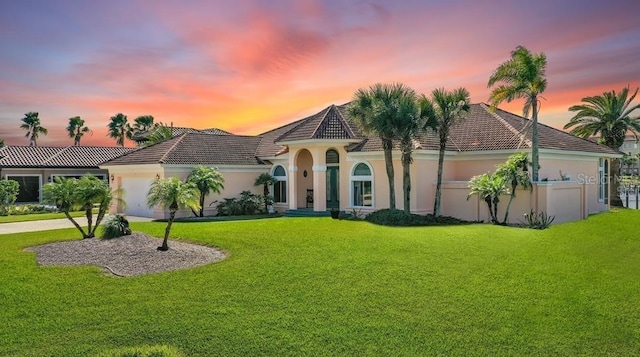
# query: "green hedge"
{"points": [[388, 217]]}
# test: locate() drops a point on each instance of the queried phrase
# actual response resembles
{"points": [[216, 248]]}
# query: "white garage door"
{"points": [[135, 195]]}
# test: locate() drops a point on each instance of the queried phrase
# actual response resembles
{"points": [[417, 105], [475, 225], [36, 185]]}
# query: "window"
{"points": [[280, 187], [361, 186], [29, 187], [603, 181]]}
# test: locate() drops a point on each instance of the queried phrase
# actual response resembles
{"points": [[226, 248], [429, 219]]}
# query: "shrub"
{"points": [[388, 217], [115, 226], [248, 204], [538, 220], [8, 194]]}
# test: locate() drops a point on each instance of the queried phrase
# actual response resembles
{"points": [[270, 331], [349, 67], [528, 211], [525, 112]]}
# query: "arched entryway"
{"points": [[333, 178], [304, 179]]}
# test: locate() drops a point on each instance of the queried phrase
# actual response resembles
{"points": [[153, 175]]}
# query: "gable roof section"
{"points": [[484, 130], [196, 149], [329, 123], [178, 130], [60, 157]]}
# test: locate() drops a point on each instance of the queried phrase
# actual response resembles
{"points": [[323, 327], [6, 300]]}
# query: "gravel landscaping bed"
{"points": [[130, 255]]}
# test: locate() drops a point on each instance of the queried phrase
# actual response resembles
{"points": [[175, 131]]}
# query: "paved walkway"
{"points": [[34, 226]]}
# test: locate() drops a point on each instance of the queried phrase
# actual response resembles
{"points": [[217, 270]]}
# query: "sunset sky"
{"points": [[250, 66]]}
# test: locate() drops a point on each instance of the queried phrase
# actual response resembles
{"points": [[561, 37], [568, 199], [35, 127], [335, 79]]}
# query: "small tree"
{"points": [[207, 180], [266, 180], [70, 194], [515, 172], [9, 190], [173, 194], [489, 188]]}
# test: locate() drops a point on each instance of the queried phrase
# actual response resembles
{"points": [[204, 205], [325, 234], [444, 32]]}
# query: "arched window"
{"points": [[361, 185], [280, 187]]}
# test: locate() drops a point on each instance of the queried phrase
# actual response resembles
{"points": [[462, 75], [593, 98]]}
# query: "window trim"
{"points": [[353, 178], [603, 178]]}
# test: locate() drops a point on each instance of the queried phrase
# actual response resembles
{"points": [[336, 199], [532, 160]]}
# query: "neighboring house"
{"points": [[33, 166], [630, 147], [324, 161]]}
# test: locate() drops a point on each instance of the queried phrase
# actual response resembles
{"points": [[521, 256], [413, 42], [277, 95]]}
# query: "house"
{"points": [[324, 161], [33, 166]]}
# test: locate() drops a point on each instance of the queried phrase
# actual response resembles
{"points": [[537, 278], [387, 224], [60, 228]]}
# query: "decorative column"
{"points": [[319, 179], [292, 180]]}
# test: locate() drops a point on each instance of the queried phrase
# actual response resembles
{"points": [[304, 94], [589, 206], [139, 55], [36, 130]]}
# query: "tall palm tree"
{"points": [[77, 129], [610, 116], [142, 124], [174, 194], [120, 129], [443, 110], [377, 110], [207, 180], [522, 77], [31, 123], [157, 133]]}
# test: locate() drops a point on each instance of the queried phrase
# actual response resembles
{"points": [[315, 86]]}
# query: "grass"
{"points": [[317, 286], [38, 217]]}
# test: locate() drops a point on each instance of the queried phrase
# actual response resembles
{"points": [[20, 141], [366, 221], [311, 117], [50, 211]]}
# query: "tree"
{"points": [[207, 180], [2, 144], [142, 124], [515, 173], [629, 161], [9, 190], [84, 193], [31, 123], [120, 129], [489, 187], [522, 77], [443, 110], [77, 129], [378, 110], [266, 180], [174, 194], [610, 116], [158, 133]]}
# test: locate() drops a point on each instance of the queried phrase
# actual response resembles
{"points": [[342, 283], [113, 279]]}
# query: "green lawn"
{"points": [[317, 286], [37, 217]]}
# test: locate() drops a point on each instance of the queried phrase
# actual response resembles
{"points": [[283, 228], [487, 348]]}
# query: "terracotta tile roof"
{"points": [[329, 123], [484, 130], [196, 149], [268, 146], [48, 156]]}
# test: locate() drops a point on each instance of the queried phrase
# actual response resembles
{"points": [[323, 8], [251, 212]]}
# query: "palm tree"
{"points": [[609, 116], [443, 110], [515, 172], [120, 129], [266, 180], [142, 124], [157, 133], [489, 187], [173, 194], [77, 129], [207, 180], [522, 77], [31, 123], [377, 110]]}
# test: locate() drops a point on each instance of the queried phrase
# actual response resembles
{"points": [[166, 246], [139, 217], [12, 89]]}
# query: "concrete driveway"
{"points": [[35, 226]]}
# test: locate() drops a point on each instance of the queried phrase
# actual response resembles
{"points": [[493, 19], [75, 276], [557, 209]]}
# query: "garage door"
{"points": [[135, 195]]}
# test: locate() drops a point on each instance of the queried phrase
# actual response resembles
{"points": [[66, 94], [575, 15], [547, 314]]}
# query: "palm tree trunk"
{"points": [[202, 204], [534, 140], [489, 201], [89, 213], [406, 175], [614, 177], [436, 203], [387, 146], [101, 212], [165, 241], [513, 195], [84, 235], [495, 211], [265, 191]]}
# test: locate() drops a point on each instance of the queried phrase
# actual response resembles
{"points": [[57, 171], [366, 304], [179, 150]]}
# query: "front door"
{"points": [[333, 187]]}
